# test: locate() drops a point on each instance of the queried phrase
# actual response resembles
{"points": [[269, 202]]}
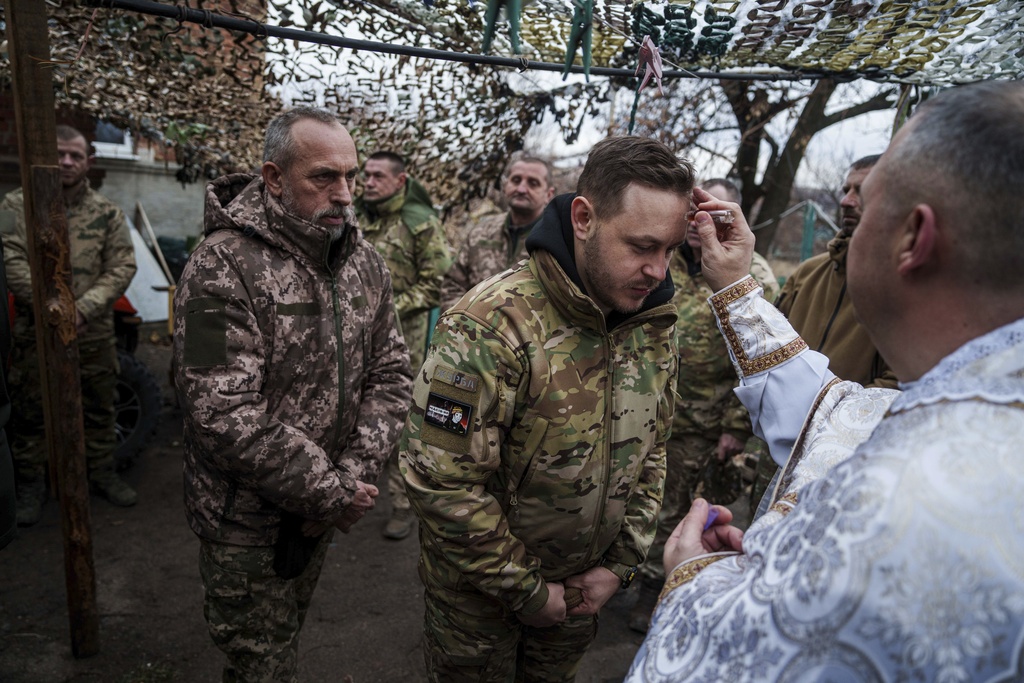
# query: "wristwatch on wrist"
{"points": [[625, 572]]}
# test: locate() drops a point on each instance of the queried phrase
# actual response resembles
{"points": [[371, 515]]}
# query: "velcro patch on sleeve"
{"points": [[206, 333], [452, 405], [299, 308], [8, 223], [460, 380], [448, 414]]}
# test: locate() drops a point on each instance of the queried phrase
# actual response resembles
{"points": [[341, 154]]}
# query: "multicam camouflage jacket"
{"points": [[815, 300], [410, 237], [488, 248], [102, 260], [289, 366], [535, 447], [705, 403]]}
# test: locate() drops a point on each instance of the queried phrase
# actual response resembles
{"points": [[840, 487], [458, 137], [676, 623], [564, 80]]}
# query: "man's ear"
{"points": [[402, 177], [272, 178], [919, 240], [582, 213], [551, 192]]}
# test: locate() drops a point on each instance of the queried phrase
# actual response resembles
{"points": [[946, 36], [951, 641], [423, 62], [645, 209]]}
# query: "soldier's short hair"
{"points": [[278, 145], [732, 190], [617, 162], [66, 133], [396, 161], [865, 162], [527, 159]]}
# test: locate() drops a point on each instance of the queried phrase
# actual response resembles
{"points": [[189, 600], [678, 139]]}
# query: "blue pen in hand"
{"points": [[712, 516]]}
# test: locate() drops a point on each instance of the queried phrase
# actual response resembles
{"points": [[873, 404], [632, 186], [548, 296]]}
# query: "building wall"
{"points": [[173, 210]]}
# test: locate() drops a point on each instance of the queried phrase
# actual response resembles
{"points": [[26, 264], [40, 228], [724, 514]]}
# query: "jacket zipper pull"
{"points": [[513, 503]]}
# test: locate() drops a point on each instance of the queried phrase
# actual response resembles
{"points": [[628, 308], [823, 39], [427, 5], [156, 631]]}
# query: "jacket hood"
{"points": [[553, 234], [239, 201], [838, 248], [414, 204]]}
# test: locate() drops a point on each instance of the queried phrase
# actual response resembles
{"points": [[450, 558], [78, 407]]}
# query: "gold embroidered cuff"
{"points": [[686, 572], [749, 366]]}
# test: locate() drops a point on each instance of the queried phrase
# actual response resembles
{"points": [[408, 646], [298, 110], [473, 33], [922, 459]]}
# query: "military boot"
{"points": [[400, 525], [108, 484], [647, 600], [31, 496]]}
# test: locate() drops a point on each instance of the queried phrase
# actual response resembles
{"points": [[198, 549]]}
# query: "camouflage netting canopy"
{"points": [[210, 91]]}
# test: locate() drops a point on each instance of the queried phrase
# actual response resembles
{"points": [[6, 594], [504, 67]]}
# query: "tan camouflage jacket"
{"points": [[488, 248], [535, 447], [102, 260], [818, 306], [705, 403], [414, 247], [289, 366]]}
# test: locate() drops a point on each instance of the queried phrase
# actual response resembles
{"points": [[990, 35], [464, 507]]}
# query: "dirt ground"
{"points": [[363, 626]]}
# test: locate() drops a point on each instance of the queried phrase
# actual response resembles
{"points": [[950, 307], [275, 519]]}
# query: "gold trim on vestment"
{"points": [[720, 303]]}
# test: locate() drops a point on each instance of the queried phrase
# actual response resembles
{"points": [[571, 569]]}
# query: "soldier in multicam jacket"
{"points": [[294, 381], [710, 425], [396, 216], [498, 241], [102, 266], [534, 452]]}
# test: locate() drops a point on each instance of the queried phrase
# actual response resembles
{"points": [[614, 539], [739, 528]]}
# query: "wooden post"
{"points": [[54, 307]]}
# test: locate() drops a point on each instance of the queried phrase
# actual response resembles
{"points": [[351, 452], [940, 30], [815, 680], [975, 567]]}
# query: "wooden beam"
{"points": [[54, 307]]}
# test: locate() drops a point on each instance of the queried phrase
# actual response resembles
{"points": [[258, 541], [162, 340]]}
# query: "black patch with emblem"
{"points": [[448, 414]]}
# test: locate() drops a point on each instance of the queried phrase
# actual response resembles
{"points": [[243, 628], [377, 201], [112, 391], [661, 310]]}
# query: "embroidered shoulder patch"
{"points": [[459, 380], [448, 414]]}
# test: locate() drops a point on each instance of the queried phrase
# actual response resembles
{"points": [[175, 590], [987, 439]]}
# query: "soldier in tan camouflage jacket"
{"points": [[497, 242], [534, 452], [294, 381], [396, 217], [102, 266]]}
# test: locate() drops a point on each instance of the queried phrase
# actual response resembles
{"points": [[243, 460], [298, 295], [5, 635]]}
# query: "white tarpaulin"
{"points": [[150, 303]]}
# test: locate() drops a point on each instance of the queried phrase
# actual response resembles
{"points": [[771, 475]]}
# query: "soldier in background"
{"points": [[534, 452], [102, 266], [294, 381], [397, 217], [498, 241], [711, 425]]}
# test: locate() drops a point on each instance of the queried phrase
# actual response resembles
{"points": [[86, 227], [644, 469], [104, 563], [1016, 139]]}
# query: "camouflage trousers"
{"points": [[471, 638], [254, 616], [27, 433], [396, 484], [688, 456]]}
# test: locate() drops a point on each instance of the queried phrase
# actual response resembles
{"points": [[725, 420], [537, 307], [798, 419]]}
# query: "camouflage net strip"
{"points": [[210, 92]]}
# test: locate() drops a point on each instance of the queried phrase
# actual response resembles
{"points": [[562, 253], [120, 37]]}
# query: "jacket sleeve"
{"points": [[456, 281], [386, 395], [117, 271], [447, 473], [220, 369], [12, 230], [433, 260], [735, 420], [785, 298], [780, 378]]}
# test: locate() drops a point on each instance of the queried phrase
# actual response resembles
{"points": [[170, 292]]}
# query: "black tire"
{"points": [[138, 409]]}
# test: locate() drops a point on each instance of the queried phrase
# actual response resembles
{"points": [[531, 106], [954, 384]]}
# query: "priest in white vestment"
{"points": [[893, 549]]}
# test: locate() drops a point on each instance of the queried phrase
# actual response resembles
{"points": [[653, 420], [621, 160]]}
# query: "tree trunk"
{"points": [[777, 184]]}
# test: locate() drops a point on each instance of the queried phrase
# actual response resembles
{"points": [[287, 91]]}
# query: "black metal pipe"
{"points": [[210, 19]]}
